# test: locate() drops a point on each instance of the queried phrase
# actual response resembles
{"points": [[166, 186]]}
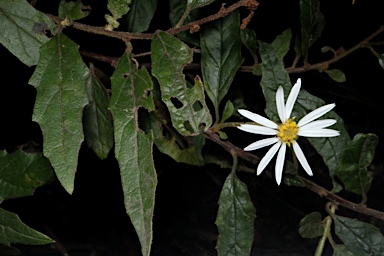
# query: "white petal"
{"points": [[315, 114], [258, 118], [318, 133], [261, 143], [292, 98], [280, 104], [300, 156], [280, 163], [318, 124], [268, 157], [257, 129]]}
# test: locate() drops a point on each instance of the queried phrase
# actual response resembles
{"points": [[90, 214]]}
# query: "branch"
{"points": [[308, 184], [127, 36], [341, 201], [249, 69]]}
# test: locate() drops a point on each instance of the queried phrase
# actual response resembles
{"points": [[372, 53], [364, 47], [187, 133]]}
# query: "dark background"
{"points": [[93, 219]]}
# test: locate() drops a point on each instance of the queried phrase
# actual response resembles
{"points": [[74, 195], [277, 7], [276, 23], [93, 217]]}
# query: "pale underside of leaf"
{"points": [[23, 30], [131, 89], [61, 96]]}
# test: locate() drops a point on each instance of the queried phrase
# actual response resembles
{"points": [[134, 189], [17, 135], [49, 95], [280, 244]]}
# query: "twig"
{"points": [[111, 60], [341, 201], [319, 65], [127, 36], [308, 67]]}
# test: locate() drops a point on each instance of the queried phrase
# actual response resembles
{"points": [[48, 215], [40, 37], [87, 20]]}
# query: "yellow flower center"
{"points": [[287, 131]]}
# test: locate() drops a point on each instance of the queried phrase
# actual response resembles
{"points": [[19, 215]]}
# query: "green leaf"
{"points": [[352, 168], [23, 30], [229, 109], [336, 74], [131, 90], [98, 121], [169, 55], [330, 149], [220, 56], [117, 8], [74, 10], [193, 4], [169, 144], [59, 79], [140, 15], [311, 226], [275, 75], [248, 38], [312, 24], [235, 218], [359, 237], [13, 230], [341, 250], [282, 43], [21, 173]]}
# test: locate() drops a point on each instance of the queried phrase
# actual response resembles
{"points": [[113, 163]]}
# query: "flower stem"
{"points": [[330, 207], [183, 17], [327, 228]]}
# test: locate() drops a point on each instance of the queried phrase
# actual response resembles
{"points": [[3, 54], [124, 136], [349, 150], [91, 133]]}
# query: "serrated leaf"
{"points": [[169, 55], [74, 10], [228, 111], [191, 154], [98, 121], [117, 8], [13, 230], [235, 218], [282, 43], [131, 90], [275, 75], [140, 15], [220, 44], [312, 24], [336, 75], [248, 38], [23, 30], [341, 250], [352, 168], [59, 79], [311, 226], [359, 237], [21, 173], [193, 4]]}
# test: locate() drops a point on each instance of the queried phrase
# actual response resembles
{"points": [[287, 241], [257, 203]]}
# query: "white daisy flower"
{"points": [[288, 131]]}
